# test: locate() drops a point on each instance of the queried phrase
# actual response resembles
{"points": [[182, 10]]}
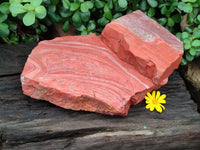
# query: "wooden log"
{"points": [[26, 123], [17, 58]]}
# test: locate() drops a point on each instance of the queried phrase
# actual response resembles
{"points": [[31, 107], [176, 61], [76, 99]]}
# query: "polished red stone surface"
{"points": [[104, 74]]}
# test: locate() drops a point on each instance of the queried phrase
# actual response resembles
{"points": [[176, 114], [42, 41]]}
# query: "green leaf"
{"points": [[43, 28], [196, 34], [76, 17], [38, 31], [143, 5], [151, 12], [12, 25], [162, 21], [3, 17], [4, 8], [188, 29], [65, 26], [196, 43], [187, 8], [85, 17], [192, 1], [185, 35], [189, 57], [84, 8], [107, 11], [55, 2], [29, 7], [176, 18], [163, 10], [36, 3], [16, 8], [178, 35], [74, 6], [152, 3], [191, 17], [110, 4], [99, 4], [89, 4], [198, 17], [40, 12], [183, 61], [171, 9], [81, 28], [102, 21], [14, 38], [187, 46], [12, 1], [29, 38], [66, 4], [123, 3], [192, 52], [187, 41], [64, 12], [84, 33], [117, 15], [29, 18], [91, 25], [170, 22], [26, 1], [52, 8], [181, 5], [4, 31], [54, 17]]}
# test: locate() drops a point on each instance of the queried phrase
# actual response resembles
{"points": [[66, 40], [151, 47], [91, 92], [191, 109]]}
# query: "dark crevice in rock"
{"points": [[2, 137], [194, 92]]}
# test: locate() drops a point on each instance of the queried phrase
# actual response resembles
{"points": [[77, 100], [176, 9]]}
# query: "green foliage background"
{"points": [[25, 20]]}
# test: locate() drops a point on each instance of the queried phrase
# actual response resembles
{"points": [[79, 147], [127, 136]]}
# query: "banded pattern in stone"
{"points": [[82, 73]]}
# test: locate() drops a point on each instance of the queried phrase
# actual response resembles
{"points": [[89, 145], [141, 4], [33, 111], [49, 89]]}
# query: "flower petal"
{"points": [[162, 97], [163, 107], [147, 98], [158, 108], [154, 94], [148, 106], [149, 95], [158, 94], [152, 108], [148, 102], [162, 101]]}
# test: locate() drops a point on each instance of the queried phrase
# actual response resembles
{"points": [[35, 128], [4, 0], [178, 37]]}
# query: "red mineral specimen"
{"points": [[104, 74], [142, 42]]}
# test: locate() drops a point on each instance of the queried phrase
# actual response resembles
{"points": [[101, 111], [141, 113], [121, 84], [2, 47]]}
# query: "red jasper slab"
{"points": [[82, 73], [142, 42], [107, 73]]}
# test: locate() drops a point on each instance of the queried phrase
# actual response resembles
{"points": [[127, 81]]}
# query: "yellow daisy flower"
{"points": [[155, 101]]}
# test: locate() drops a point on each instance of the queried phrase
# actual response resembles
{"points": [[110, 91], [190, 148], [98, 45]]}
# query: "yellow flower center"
{"points": [[155, 101]]}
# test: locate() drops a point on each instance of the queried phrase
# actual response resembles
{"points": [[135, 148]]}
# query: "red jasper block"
{"points": [[82, 73], [104, 74], [142, 42]]}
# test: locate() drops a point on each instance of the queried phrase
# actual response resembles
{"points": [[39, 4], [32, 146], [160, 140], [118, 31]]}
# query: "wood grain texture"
{"points": [[31, 124]]}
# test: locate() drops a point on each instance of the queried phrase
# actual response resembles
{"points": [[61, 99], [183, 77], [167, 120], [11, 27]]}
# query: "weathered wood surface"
{"points": [[27, 123]]}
